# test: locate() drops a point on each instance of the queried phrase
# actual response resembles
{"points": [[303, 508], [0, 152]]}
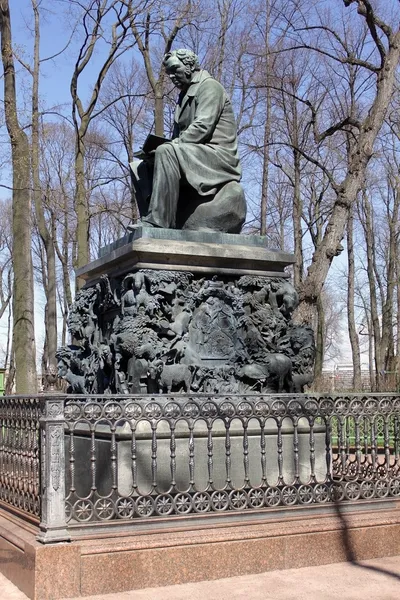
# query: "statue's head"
{"points": [[63, 356], [181, 66]]}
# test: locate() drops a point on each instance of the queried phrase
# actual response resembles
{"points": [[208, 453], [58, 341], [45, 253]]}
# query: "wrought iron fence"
{"points": [[178, 455], [128, 458], [19, 454]]}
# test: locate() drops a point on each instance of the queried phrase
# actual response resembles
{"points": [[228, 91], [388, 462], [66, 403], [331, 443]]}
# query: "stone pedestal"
{"points": [[195, 311], [205, 252]]}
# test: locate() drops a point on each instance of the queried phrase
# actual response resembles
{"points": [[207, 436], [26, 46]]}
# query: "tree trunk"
{"points": [[159, 106], [354, 341], [387, 308], [346, 192], [319, 342], [297, 229], [23, 326], [369, 239], [81, 208], [45, 234], [267, 130]]}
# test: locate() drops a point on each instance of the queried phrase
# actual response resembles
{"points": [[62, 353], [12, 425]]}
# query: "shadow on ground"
{"points": [[351, 555]]}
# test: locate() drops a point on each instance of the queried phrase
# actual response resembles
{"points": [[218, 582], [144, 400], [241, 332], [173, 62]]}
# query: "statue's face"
{"points": [[62, 369], [180, 75]]}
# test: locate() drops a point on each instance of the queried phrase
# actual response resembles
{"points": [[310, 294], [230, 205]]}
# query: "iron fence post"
{"points": [[53, 525]]}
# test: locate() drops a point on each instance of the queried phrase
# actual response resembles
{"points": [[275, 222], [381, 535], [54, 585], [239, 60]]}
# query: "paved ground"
{"points": [[373, 579]]}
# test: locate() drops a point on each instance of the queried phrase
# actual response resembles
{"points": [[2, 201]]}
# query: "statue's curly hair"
{"points": [[187, 58]]}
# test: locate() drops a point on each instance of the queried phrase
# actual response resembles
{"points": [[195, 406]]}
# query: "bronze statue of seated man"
{"points": [[192, 181]]}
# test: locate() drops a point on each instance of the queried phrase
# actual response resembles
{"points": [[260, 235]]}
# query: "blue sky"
{"points": [[56, 28], [54, 36]]}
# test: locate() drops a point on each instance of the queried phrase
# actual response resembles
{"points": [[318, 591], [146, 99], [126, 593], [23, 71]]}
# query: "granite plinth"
{"points": [[194, 251], [205, 549]]}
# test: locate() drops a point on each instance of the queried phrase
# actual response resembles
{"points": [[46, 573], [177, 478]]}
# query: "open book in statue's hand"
{"points": [[152, 142]]}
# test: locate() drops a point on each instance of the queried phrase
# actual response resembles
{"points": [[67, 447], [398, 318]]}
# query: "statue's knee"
{"points": [[164, 150]]}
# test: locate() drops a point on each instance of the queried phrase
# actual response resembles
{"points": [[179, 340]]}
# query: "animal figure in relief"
{"points": [[284, 297], [167, 378], [276, 369], [279, 368]]}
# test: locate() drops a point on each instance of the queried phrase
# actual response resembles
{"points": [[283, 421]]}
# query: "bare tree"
{"points": [[125, 121], [351, 320], [162, 21], [45, 231], [23, 317], [99, 16], [386, 40], [57, 168]]}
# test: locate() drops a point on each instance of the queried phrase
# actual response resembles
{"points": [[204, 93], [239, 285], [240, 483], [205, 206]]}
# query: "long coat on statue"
{"points": [[204, 136]]}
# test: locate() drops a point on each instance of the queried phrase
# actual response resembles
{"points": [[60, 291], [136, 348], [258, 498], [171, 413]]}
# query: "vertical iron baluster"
{"points": [[373, 445], [18, 453], [342, 450], [42, 463], [25, 448], [387, 445], [328, 448], [348, 421], [296, 450], [11, 454], [134, 457], [24, 452], [263, 453], [35, 453], [93, 456], [227, 453], [5, 465], [7, 452], [5, 438], [191, 454], [280, 453], [172, 447], [18, 449], [72, 459], [154, 454], [396, 438], [366, 441], [12, 451], [28, 452], [113, 457], [246, 454], [21, 433], [27, 444], [210, 461], [357, 443], [15, 451], [28, 483], [312, 451]]}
